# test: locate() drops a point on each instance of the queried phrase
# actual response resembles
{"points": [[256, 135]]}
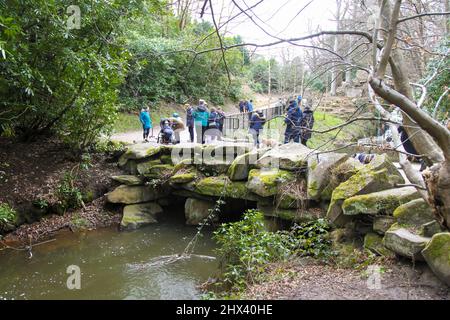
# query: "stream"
{"points": [[113, 265]]}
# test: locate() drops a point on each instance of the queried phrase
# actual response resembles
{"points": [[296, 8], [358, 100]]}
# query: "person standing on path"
{"points": [[201, 117], [293, 119], [306, 123], [221, 118], [190, 120], [146, 122], [256, 125]]}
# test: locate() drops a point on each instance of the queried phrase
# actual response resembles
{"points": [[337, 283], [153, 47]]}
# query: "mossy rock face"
{"points": [[213, 168], [130, 167], [159, 171], [197, 210], [416, 212], [139, 151], [381, 161], [404, 242], [166, 159], [145, 167], [429, 229], [340, 174], [319, 172], [382, 202], [222, 186], [138, 215], [267, 182], [381, 224], [437, 256], [288, 201], [184, 175], [241, 166], [294, 215], [129, 180], [290, 156], [134, 194], [374, 243], [363, 182]]}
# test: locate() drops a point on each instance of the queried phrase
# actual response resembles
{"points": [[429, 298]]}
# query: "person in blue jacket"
{"points": [[257, 122], [293, 121], [146, 121], [201, 118]]}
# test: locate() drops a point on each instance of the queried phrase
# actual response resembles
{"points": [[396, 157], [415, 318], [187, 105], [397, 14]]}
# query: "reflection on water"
{"points": [[114, 265]]}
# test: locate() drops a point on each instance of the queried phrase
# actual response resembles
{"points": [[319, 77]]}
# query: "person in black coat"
{"points": [[307, 124]]}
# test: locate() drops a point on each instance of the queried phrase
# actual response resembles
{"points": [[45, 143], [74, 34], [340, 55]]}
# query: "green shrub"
{"points": [[246, 247], [7, 217], [68, 194]]}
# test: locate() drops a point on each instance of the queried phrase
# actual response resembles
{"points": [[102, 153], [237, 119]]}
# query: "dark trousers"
{"points": [[146, 133], [191, 133], [304, 141], [291, 134]]}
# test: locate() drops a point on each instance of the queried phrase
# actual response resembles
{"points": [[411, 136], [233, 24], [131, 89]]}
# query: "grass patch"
{"points": [[323, 121]]}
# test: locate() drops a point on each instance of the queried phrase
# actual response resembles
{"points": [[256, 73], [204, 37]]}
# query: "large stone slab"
{"points": [[437, 256], [129, 180], [381, 202], [381, 224], [363, 182], [414, 213], [146, 166], [405, 243], [134, 194], [160, 171], [222, 186], [139, 151], [319, 172], [268, 182], [138, 215], [294, 215], [196, 211], [290, 156], [340, 174]]}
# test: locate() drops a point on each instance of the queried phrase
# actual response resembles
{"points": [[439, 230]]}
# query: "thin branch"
{"points": [[423, 15]]}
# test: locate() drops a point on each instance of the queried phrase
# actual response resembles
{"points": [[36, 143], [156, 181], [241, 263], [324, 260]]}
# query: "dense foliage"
{"points": [[7, 217], [439, 66], [73, 81], [246, 247], [162, 71]]}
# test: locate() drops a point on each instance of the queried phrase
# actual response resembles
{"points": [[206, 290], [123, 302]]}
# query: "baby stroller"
{"points": [[165, 135]]}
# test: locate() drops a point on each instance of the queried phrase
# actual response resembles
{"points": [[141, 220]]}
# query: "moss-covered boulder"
{"points": [[134, 194], [382, 223], [437, 256], [381, 202], [319, 172], [129, 180], [139, 151], [290, 156], [222, 186], [340, 174], [138, 215], [197, 210], [184, 175], [363, 182], [415, 213], [241, 166], [404, 242], [159, 171], [374, 243], [145, 167], [268, 182], [429, 229], [351, 166], [294, 215]]}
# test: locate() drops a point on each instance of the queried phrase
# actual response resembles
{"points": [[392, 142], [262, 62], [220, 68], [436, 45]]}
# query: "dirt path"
{"points": [[308, 280]]}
